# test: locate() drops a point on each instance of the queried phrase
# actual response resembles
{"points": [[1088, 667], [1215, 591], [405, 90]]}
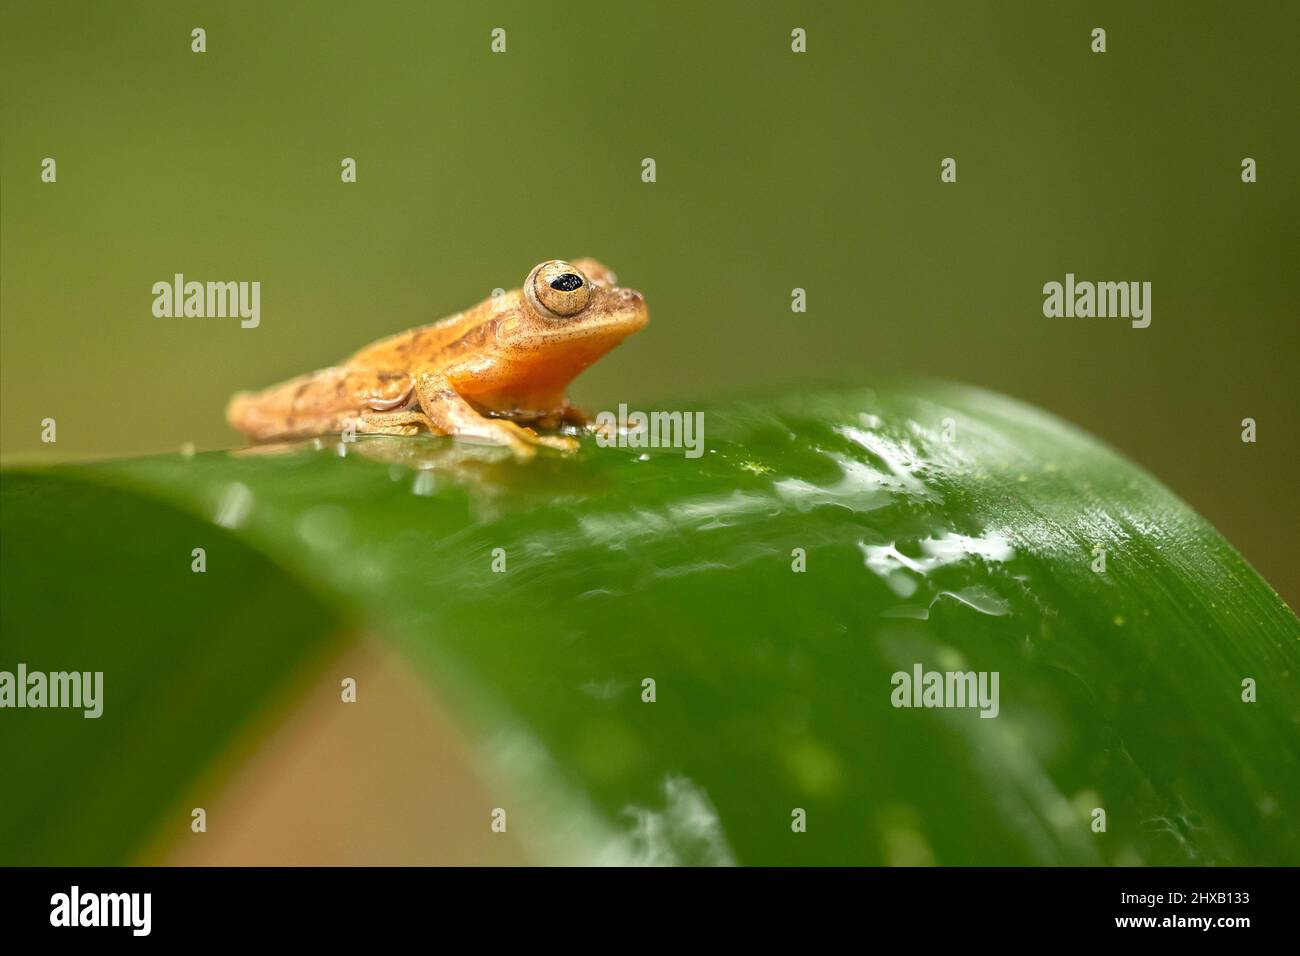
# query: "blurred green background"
{"points": [[775, 170]]}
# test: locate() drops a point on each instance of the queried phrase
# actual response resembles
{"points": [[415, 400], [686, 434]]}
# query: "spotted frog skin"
{"points": [[494, 373]]}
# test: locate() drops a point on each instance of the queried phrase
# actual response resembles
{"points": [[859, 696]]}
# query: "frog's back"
{"points": [[414, 346]]}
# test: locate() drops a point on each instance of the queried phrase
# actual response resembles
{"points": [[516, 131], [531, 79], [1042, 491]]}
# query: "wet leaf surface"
{"points": [[942, 527]]}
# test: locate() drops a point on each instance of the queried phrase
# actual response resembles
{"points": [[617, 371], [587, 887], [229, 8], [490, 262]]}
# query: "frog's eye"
{"points": [[557, 289]]}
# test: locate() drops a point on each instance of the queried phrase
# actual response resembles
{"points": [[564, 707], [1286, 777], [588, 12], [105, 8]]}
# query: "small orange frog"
{"points": [[490, 374]]}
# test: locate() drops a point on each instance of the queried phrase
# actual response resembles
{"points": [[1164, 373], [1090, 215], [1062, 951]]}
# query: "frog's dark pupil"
{"points": [[567, 282]]}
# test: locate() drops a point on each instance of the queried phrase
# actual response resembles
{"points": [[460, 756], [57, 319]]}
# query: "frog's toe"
{"points": [[558, 442], [521, 441], [523, 450]]}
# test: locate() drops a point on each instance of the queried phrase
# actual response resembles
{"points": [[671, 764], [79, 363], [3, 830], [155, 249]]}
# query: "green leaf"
{"points": [[943, 527], [95, 579]]}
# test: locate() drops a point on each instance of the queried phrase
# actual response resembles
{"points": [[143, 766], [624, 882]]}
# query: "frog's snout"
{"points": [[631, 308], [632, 304]]}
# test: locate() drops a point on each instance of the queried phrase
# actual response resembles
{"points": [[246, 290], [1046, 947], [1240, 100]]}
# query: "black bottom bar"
{"points": [[305, 905]]}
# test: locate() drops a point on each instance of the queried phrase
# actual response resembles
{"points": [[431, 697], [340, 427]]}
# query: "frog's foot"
{"points": [[573, 415], [452, 415], [559, 442], [566, 414], [394, 423], [520, 439]]}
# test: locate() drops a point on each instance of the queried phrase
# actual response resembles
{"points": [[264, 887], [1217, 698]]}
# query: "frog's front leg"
{"points": [[569, 414], [450, 414], [566, 414]]}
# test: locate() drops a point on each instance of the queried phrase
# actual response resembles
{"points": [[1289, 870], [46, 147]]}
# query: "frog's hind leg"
{"points": [[399, 400], [318, 403], [405, 422]]}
